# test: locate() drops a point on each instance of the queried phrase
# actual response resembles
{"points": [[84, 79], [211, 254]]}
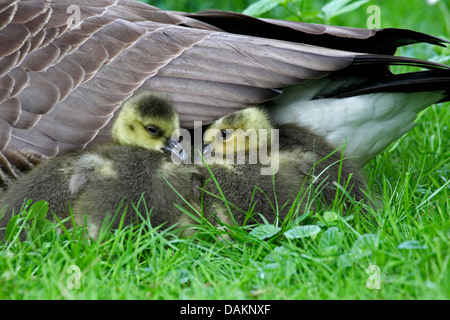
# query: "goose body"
{"points": [[65, 73]]}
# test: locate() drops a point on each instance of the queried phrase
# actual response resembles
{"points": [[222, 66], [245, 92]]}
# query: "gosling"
{"points": [[306, 166], [95, 182]]}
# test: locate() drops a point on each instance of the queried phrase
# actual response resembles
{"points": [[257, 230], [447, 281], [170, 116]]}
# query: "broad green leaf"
{"points": [[345, 260], [412, 244], [338, 7], [265, 231], [351, 7], [38, 210], [261, 7], [331, 217], [278, 254], [440, 59], [302, 232], [44, 226], [330, 242], [12, 227], [183, 276], [318, 259], [280, 260], [329, 10], [363, 246], [309, 15], [272, 266]]}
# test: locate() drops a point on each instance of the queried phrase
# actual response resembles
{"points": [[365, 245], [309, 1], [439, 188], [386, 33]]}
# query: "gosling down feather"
{"points": [[66, 66], [298, 169]]}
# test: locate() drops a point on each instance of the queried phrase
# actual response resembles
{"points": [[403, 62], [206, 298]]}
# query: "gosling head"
{"points": [[238, 132], [148, 121]]}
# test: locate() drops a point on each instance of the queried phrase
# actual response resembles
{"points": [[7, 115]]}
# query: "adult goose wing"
{"points": [[66, 66]]}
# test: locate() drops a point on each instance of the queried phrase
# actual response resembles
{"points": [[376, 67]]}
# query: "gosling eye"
{"points": [[225, 134], [152, 130]]}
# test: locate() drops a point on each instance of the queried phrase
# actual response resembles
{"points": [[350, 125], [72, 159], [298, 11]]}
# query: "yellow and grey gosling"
{"points": [[299, 160], [95, 182]]}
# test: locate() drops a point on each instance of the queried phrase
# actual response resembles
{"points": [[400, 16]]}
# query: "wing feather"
{"points": [[61, 82]]}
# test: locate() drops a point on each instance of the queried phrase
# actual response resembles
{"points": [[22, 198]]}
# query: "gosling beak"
{"points": [[207, 149], [175, 148]]}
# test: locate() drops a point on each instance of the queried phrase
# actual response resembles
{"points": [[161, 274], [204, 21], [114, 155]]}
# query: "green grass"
{"points": [[408, 241]]}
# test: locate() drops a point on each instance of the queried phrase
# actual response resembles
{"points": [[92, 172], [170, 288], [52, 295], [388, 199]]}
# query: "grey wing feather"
{"points": [[62, 81]]}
